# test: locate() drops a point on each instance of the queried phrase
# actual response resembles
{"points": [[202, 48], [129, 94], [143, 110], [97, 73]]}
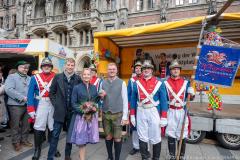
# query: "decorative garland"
{"points": [[213, 38]]}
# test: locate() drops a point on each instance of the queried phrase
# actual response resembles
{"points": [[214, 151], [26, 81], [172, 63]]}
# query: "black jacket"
{"points": [[57, 96]]}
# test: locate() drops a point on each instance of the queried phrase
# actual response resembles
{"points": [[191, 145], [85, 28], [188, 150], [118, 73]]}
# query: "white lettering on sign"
{"points": [[185, 56]]}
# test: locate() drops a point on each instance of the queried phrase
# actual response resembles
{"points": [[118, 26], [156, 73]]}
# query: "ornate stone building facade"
{"points": [[73, 22]]}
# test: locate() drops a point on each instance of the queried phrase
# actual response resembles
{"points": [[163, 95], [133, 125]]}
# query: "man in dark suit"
{"points": [[60, 96]]}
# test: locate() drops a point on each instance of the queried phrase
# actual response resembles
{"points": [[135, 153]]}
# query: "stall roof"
{"points": [[187, 30], [34, 47]]}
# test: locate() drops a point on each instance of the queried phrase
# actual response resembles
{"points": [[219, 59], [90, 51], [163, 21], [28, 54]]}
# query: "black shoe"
{"points": [[1, 138], [38, 144], [2, 130], [57, 154], [133, 151], [144, 150]]}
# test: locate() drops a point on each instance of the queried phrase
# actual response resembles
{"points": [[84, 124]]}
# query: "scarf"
{"points": [[68, 75]]}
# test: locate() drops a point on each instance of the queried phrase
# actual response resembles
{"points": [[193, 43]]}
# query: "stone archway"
{"points": [[83, 62]]}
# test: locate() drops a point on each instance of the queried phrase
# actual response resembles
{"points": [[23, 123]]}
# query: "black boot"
{"points": [[109, 145], [156, 151], [117, 149], [38, 139], [172, 148], [143, 150], [183, 148]]}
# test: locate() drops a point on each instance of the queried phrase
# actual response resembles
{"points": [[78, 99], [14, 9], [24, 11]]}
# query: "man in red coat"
{"points": [[39, 105], [178, 90]]}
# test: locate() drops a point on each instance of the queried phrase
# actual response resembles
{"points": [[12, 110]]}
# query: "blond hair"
{"points": [[71, 60], [112, 64]]}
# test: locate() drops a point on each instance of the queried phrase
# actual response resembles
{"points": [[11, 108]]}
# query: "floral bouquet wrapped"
{"points": [[88, 109]]}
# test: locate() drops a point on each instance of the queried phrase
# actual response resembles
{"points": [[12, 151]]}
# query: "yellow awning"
{"points": [[163, 26]]}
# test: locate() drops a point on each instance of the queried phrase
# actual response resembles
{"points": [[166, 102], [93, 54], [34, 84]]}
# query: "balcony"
{"points": [[36, 21], [83, 15], [59, 18]]}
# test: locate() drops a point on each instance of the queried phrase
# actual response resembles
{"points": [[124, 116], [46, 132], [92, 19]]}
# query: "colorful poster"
{"points": [[58, 63], [217, 65]]}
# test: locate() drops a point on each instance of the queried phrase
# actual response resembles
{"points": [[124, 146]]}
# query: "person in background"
{"points": [[95, 80], [60, 95], [164, 66], [3, 111], [16, 87], [147, 57], [84, 123], [39, 106], [138, 74]]}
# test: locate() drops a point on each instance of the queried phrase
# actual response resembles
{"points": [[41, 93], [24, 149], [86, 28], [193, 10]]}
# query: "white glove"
{"points": [[190, 90], [133, 120], [163, 122], [32, 115]]}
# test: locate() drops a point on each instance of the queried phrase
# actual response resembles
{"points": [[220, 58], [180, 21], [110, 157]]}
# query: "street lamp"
{"points": [[212, 7]]}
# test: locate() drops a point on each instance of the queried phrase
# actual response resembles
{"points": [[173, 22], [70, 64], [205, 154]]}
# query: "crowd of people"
{"points": [[153, 106]]}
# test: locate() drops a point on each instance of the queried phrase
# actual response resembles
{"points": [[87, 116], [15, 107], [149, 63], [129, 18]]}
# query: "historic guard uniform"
{"points": [[177, 90], [149, 104], [39, 106], [134, 78]]}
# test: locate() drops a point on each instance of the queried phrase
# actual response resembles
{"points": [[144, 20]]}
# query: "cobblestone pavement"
{"points": [[207, 150]]}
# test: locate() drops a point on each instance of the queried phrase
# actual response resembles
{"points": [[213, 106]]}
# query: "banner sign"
{"points": [[185, 56], [217, 65]]}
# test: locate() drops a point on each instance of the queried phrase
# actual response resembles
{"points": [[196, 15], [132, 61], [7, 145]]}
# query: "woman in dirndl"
{"points": [[84, 124]]}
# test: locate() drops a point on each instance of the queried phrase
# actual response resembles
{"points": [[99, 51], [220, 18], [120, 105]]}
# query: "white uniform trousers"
{"points": [[148, 125], [175, 120], [135, 139], [44, 115]]}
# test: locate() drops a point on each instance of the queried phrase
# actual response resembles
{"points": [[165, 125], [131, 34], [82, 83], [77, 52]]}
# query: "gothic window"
{"points": [[139, 5], [111, 4], [60, 7], [7, 19], [192, 1], [1, 22], [81, 38], [151, 4], [86, 5], [179, 2], [92, 38], [14, 21], [40, 9]]}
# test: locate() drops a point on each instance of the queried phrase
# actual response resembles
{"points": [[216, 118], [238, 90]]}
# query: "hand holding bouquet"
{"points": [[88, 109]]}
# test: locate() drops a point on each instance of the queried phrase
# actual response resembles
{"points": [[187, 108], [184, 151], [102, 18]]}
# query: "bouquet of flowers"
{"points": [[88, 109]]}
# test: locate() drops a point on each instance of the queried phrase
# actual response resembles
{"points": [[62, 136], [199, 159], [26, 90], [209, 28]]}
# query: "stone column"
{"points": [[84, 37], [145, 5], [63, 38]]}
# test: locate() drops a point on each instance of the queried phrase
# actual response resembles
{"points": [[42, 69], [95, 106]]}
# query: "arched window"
{"points": [[86, 5], [40, 9], [139, 5], [151, 4], [111, 4], [60, 7]]}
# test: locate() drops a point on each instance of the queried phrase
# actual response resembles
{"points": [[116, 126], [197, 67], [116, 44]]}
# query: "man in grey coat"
{"points": [[16, 87]]}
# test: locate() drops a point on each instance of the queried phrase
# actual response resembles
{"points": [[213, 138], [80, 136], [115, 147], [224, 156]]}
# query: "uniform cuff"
{"points": [[164, 114], [132, 112], [30, 109]]}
